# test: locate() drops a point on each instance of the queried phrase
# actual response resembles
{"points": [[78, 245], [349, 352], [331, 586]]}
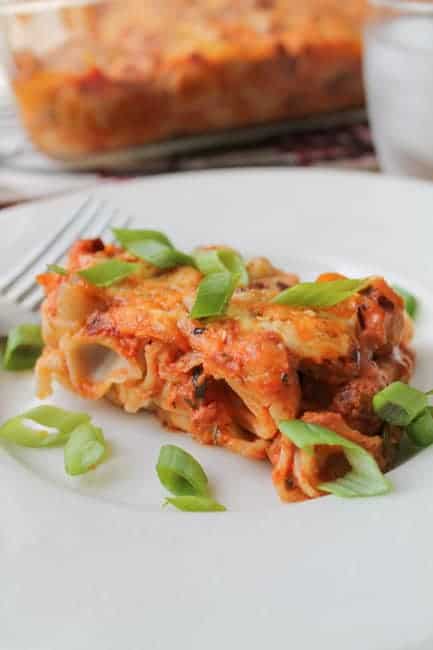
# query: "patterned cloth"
{"points": [[346, 146]]}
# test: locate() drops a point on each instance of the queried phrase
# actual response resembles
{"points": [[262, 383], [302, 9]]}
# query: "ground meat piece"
{"points": [[354, 402], [380, 317], [316, 395], [354, 399]]}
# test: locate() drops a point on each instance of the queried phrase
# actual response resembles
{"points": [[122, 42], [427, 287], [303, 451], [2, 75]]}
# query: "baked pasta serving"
{"points": [[227, 350], [118, 74]]}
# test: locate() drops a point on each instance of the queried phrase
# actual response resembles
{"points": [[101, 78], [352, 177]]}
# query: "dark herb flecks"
{"points": [[200, 385]]}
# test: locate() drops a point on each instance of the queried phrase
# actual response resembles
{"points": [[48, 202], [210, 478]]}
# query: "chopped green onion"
{"points": [[16, 429], [320, 294], [224, 270], [159, 254], [410, 302], [153, 247], [184, 477], [55, 268], [23, 347], [84, 449], [399, 403], [180, 473], [56, 417], [126, 236], [195, 504], [213, 294], [220, 261], [365, 478], [420, 430], [108, 273]]}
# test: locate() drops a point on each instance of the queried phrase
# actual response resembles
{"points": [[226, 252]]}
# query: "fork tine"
{"points": [[27, 284], [91, 229], [32, 297], [43, 248], [34, 301], [111, 213]]}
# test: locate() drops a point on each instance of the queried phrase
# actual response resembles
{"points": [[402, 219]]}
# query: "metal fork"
{"points": [[89, 220]]}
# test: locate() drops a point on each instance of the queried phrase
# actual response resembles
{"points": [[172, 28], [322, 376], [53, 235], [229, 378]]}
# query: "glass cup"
{"points": [[398, 70]]}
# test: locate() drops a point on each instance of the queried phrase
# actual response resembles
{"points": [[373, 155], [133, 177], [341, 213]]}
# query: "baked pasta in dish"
{"points": [[121, 74], [229, 380]]}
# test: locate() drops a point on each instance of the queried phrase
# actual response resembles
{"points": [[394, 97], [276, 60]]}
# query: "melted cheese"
{"points": [[228, 381]]}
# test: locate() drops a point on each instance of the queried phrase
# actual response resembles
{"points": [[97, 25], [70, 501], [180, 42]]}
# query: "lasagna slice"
{"points": [[229, 381]]}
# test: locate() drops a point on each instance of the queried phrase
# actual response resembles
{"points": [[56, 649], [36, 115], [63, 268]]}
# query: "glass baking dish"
{"points": [[104, 82]]}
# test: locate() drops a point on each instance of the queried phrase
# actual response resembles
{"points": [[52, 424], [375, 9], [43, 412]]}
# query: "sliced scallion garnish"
{"points": [[320, 294], [420, 430], [213, 294], [153, 247], [224, 270], [195, 504], [220, 261], [410, 302], [105, 274], [127, 235], [84, 449], [55, 268], [19, 430], [399, 403], [23, 347], [184, 477], [365, 478], [180, 473], [159, 254]]}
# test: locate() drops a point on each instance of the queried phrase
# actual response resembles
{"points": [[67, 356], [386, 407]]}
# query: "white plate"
{"points": [[94, 562]]}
